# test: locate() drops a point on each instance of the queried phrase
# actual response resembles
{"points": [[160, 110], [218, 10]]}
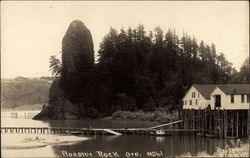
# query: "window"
{"points": [[232, 98], [217, 101], [242, 98], [198, 95], [193, 95], [190, 102], [185, 102], [248, 98], [196, 102]]}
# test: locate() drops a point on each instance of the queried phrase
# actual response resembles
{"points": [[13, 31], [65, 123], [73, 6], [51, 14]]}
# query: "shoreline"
{"points": [[20, 141], [157, 116]]}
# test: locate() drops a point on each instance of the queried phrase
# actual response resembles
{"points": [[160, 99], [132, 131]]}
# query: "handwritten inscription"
{"points": [[107, 154], [155, 154], [113, 154]]}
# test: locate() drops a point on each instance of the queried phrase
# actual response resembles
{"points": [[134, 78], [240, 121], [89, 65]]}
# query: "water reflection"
{"points": [[170, 145], [160, 139]]}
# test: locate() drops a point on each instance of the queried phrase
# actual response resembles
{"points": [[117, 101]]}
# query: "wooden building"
{"points": [[217, 110], [222, 96], [231, 96], [198, 96]]}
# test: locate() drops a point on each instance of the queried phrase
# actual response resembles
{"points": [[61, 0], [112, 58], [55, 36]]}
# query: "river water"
{"points": [[31, 145]]}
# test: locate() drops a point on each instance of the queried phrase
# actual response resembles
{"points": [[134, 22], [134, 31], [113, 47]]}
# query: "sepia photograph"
{"points": [[125, 79]]}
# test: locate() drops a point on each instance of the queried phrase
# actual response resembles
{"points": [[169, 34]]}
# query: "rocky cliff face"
{"points": [[59, 106], [67, 91], [77, 60]]}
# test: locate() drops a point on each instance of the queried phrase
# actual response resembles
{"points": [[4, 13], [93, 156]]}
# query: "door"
{"points": [[217, 101]]}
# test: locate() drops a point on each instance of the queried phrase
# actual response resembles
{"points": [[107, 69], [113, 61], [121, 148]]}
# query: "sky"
{"points": [[32, 31]]}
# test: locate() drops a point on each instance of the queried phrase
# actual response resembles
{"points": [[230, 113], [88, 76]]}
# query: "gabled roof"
{"points": [[205, 89], [235, 88]]}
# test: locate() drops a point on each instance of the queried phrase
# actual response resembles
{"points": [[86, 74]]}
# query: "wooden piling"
{"points": [[237, 123], [192, 119], [219, 124], [210, 121], [232, 123], [242, 123]]}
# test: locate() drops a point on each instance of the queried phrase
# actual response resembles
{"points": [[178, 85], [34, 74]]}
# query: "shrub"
{"points": [[157, 116]]}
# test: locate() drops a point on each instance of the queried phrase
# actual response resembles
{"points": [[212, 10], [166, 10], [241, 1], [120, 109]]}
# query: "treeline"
{"points": [[145, 71], [137, 70]]}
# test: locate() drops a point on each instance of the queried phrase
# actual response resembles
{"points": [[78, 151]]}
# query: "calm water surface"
{"points": [[125, 145]]}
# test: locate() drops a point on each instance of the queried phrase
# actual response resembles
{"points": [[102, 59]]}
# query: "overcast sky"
{"points": [[32, 31]]}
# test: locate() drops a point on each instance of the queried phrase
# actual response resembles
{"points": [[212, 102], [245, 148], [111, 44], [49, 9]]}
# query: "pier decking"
{"points": [[70, 130]]}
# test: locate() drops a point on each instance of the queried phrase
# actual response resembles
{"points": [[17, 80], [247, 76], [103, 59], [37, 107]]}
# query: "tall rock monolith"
{"points": [[70, 92]]}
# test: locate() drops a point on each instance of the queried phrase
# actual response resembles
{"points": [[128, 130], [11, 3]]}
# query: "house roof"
{"points": [[235, 88], [205, 89]]}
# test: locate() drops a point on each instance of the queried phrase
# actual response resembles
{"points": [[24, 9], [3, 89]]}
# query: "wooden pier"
{"points": [[70, 130], [217, 122], [204, 122]]}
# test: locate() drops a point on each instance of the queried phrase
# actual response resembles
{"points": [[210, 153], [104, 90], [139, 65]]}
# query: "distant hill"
{"points": [[25, 93]]}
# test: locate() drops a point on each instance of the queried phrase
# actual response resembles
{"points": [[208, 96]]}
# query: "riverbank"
{"points": [[160, 116]]}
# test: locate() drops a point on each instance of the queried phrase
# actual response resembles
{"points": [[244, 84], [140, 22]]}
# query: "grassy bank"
{"points": [[159, 115]]}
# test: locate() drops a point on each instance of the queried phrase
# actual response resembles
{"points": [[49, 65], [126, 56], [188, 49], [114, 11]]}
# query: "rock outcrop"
{"points": [[67, 91], [59, 106]]}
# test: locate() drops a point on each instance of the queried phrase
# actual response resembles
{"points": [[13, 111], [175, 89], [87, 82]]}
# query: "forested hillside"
{"points": [[24, 92], [146, 70]]}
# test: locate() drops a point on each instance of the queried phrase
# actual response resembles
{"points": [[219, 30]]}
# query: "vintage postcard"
{"points": [[125, 79]]}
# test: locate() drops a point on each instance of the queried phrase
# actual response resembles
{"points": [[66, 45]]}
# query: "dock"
{"points": [[71, 130], [207, 123], [92, 131], [216, 123]]}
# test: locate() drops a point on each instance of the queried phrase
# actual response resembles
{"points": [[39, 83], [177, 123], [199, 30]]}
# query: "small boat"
{"points": [[210, 135], [159, 133]]}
